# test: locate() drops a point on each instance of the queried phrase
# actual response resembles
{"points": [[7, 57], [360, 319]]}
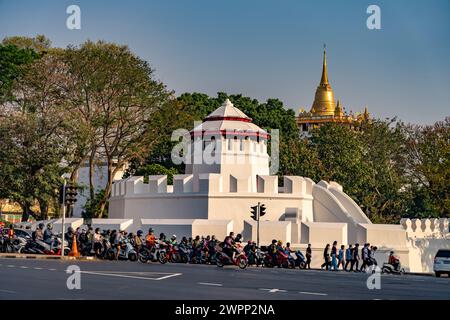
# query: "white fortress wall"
{"points": [[327, 207]]}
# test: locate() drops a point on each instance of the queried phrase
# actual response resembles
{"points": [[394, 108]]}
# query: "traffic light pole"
{"points": [[63, 217], [257, 226]]}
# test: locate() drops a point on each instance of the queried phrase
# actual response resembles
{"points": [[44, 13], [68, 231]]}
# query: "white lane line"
{"points": [[273, 290], [51, 269], [127, 276], [210, 284], [23, 267], [10, 266], [7, 291], [169, 276], [314, 293], [37, 268]]}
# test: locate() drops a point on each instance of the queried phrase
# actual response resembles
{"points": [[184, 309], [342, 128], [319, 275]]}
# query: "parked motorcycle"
{"points": [[240, 259]]}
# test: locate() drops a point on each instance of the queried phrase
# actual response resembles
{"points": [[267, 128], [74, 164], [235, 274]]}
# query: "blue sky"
{"points": [[268, 48]]}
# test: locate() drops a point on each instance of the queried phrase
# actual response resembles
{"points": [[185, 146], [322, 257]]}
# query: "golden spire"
{"points": [[324, 104], [324, 79]]}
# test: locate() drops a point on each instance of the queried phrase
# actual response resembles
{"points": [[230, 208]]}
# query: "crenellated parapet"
{"points": [[424, 228], [213, 183]]}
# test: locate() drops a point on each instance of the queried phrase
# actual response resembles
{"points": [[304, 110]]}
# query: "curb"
{"points": [[42, 257]]}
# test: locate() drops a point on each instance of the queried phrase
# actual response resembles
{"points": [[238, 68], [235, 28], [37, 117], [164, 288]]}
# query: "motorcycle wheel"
{"points": [[162, 258], [175, 258], [132, 256], [302, 265], [268, 263], [143, 257], [219, 263], [384, 270], [242, 263], [111, 255]]}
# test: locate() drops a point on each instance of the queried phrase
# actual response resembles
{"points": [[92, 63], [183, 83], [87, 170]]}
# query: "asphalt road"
{"points": [[46, 279]]}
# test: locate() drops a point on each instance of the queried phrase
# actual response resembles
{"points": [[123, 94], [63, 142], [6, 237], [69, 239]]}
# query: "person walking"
{"points": [[308, 256], [341, 257], [334, 264], [326, 257], [348, 256], [355, 258], [365, 257]]}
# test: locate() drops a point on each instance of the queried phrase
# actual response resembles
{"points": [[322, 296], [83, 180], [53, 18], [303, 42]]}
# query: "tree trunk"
{"points": [[91, 175], [27, 212], [43, 206], [107, 192]]}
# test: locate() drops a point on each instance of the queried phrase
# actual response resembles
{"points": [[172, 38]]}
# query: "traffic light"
{"points": [[262, 210], [254, 213], [69, 194]]}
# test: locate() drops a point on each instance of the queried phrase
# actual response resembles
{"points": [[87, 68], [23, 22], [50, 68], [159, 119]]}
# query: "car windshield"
{"points": [[443, 254]]}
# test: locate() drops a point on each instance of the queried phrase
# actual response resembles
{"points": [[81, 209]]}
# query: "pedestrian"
{"points": [[341, 257], [326, 257], [355, 258], [97, 242], [334, 264], [365, 256], [348, 256], [308, 256]]}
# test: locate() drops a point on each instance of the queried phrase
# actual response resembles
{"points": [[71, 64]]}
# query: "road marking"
{"points": [[132, 277], [37, 268], [51, 269], [273, 290], [210, 284], [314, 293], [7, 291], [23, 267], [10, 266]]}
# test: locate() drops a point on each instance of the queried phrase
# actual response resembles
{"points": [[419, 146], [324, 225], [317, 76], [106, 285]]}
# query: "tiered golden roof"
{"points": [[324, 109]]}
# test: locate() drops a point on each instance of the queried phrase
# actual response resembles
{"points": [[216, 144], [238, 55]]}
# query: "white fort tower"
{"points": [[227, 172]]}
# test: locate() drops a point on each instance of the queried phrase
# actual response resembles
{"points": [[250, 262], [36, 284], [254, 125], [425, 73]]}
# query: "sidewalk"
{"points": [[41, 256]]}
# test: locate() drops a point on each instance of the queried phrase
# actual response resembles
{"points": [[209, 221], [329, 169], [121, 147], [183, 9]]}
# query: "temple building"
{"points": [[325, 109]]}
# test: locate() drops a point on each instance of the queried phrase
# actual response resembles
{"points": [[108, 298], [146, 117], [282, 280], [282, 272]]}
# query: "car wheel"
{"points": [[438, 274]]}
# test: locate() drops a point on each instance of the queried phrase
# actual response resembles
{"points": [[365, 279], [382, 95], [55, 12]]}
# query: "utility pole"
{"points": [[63, 216]]}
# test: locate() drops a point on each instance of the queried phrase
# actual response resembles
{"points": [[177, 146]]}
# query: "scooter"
{"points": [[300, 260], [389, 268], [240, 259], [184, 254], [156, 253], [172, 254], [127, 252]]}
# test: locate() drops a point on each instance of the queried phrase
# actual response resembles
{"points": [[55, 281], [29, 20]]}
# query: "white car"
{"points": [[442, 262]]}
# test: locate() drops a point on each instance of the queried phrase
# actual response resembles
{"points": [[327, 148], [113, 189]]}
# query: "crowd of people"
{"points": [[201, 249], [345, 257]]}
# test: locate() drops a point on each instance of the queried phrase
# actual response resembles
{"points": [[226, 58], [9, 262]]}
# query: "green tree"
{"points": [[428, 150], [12, 62], [341, 155]]}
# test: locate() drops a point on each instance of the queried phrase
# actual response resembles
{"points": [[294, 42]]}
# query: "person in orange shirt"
{"points": [[150, 239]]}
